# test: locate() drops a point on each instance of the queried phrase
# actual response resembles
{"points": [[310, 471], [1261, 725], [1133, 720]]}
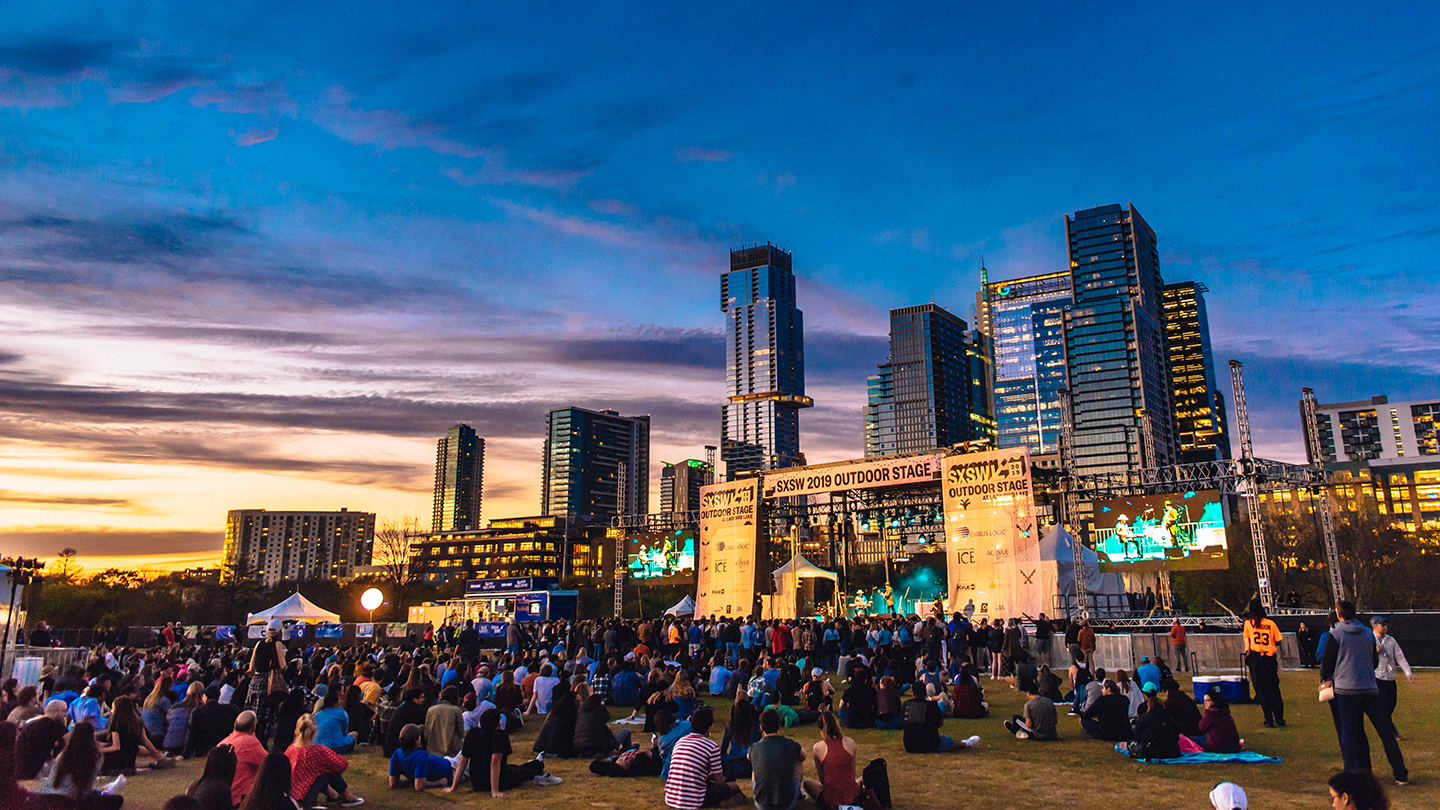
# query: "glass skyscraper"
{"points": [[584, 451], [923, 398], [764, 362], [459, 480], [1115, 343], [1200, 421], [1025, 321]]}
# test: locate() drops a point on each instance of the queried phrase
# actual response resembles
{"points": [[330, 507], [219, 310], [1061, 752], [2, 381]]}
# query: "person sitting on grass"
{"points": [[887, 704], [922, 720], [858, 707], [332, 725], [1217, 728], [968, 697], [411, 761], [1108, 718], [1182, 707], [818, 693], [272, 786], [778, 766], [1039, 720], [695, 777], [1357, 790], [316, 769], [212, 789], [1155, 734], [485, 753], [741, 732], [835, 765]]}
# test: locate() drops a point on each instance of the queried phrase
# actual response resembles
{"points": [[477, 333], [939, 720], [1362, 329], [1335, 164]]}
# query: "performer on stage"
{"points": [[889, 599]]}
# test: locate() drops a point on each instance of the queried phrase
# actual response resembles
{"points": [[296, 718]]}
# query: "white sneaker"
{"points": [[115, 787], [546, 779], [974, 740], [1020, 735]]}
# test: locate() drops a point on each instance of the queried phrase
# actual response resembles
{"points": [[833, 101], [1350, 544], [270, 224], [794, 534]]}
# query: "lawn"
{"points": [[1075, 772]]}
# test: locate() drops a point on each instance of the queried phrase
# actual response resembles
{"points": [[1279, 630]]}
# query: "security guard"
{"points": [[1262, 656]]}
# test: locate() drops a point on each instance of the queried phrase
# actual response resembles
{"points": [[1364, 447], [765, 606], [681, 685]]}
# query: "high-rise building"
{"points": [[764, 362], [459, 480], [544, 546], [1115, 343], [923, 397], [680, 485], [1382, 455], [587, 454], [1024, 319], [274, 547], [1200, 420]]}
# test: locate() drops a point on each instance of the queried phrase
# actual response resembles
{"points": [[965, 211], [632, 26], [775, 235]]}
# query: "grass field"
{"points": [[1074, 772]]}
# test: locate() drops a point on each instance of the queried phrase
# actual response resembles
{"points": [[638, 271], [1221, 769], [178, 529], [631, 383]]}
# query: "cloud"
{"points": [[59, 501], [613, 207], [495, 173], [339, 115], [703, 154], [267, 98], [47, 541], [255, 136]]}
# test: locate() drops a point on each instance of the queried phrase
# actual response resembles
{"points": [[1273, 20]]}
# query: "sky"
{"points": [[264, 255]]}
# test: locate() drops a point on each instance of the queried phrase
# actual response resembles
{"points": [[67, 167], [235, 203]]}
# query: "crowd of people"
{"points": [[275, 724]]}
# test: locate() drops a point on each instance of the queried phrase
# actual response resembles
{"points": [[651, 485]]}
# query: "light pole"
{"points": [[372, 598]]}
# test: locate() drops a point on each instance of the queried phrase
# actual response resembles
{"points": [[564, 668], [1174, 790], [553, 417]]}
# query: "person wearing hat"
{"points": [[1228, 796], [817, 692], [1392, 658], [1147, 672], [1262, 657], [1156, 734]]}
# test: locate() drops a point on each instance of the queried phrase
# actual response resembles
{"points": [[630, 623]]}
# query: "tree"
{"points": [[394, 553], [116, 578], [64, 571]]}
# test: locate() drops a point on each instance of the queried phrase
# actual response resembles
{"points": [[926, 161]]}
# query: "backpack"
{"points": [[877, 781]]}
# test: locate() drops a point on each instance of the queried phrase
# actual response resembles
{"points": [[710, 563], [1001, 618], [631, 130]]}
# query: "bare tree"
{"points": [[394, 553], [64, 571]]}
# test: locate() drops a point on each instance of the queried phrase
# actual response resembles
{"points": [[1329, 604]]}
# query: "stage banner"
{"points": [[365, 630], [854, 475], [729, 519], [992, 544]]}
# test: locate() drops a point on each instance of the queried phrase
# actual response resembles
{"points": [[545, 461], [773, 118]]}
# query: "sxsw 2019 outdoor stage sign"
{"points": [[729, 518], [992, 540], [893, 472]]}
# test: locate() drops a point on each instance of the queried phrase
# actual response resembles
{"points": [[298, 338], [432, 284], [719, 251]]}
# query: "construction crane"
{"points": [[1072, 499], [1327, 520], [1249, 471]]}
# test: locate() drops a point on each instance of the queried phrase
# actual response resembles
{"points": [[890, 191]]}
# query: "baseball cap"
{"points": [[1228, 796], [1144, 659], [816, 672], [1149, 688], [410, 732], [1379, 620]]}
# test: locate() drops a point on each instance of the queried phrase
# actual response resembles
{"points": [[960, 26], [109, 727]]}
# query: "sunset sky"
{"points": [[263, 255]]}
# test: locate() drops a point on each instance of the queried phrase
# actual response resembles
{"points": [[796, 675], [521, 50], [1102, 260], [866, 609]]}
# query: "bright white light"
{"points": [[371, 599]]}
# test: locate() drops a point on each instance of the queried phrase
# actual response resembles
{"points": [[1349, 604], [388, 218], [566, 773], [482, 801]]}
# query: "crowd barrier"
{"points": [[58, 657], [1206, 652]]}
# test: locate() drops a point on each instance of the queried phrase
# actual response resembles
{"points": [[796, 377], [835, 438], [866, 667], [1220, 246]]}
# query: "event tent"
{"points": [[789, 586], [1057, 567], [295, 608], [686, 607]]}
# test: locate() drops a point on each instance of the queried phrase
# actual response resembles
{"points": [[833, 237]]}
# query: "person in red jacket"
{"points": [[1177, 641]]}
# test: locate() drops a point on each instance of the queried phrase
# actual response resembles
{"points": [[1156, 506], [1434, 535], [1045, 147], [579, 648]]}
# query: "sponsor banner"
{"points": [[225, 633], [255, 631], [328, 630], [729, 537], [365, 630], [992, 542], [855, 475], [397, 629]]}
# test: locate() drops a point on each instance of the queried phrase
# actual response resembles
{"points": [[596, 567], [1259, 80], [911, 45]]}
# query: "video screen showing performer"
{"points": [[666, 556], [1176, 531]]}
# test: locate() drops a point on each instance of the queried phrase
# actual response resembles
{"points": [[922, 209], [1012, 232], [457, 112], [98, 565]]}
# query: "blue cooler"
{"points": [[1235, 688], [1203, 684]]}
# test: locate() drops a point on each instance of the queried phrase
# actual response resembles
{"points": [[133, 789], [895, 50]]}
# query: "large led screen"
{"points": [[658, 557], [1183, 531]]}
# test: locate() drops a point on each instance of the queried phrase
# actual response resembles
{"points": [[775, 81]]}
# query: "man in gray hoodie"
{"points": [[1349, 666], [1392, 660]]}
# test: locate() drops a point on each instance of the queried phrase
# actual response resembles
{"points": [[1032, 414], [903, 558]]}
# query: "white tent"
{"points": [[1057, 568], [686, 607], [295, 608], [789, 585]]}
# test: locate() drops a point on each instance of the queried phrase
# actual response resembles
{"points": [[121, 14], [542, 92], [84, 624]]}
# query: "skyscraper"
{"points": [[1199, 406], [1025, 321], [764, 362], [1115, 343], [923, 397], [459, 480], [275, 547], [680, 485], [587, 453]]}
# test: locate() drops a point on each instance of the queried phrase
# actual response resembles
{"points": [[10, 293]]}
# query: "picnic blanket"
{"points": [[1205, 758]]}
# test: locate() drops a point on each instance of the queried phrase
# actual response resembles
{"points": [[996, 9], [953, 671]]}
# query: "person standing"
{"points": [[1351, 656], [1177, 643], [777, 764], [1086, 639], [1262, 657], [1044, 630], [1391, 659]]}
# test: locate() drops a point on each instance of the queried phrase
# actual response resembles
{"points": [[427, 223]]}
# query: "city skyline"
{"points": [[259, 270]]}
